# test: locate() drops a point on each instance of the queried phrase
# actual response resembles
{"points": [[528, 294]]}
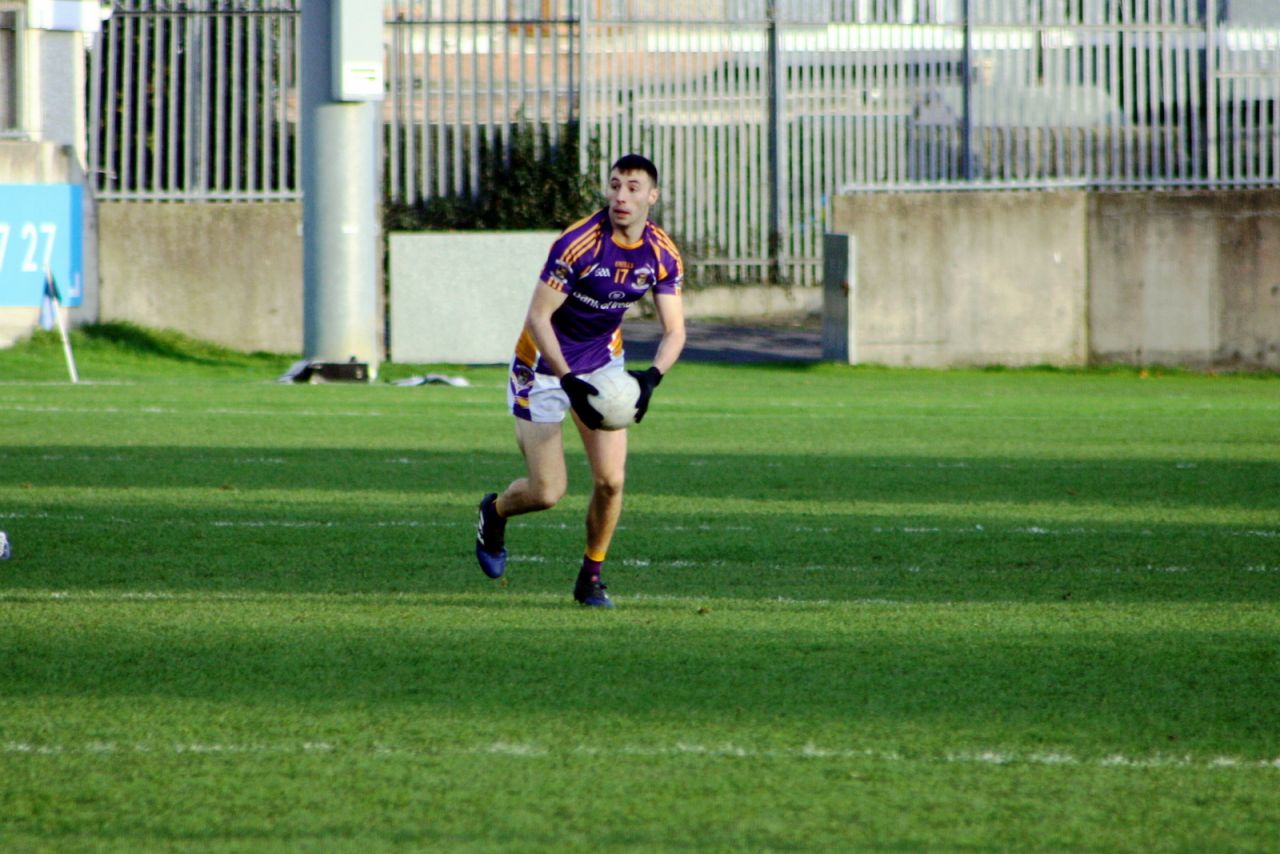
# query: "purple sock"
{"points": [[590, 569]]}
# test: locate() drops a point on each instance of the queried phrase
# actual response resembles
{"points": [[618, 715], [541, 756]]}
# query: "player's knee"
{"points": [[544, 496], [609, 485]]}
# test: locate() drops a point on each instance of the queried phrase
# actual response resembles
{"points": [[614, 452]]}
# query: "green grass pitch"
{"points": [[857, 609]]}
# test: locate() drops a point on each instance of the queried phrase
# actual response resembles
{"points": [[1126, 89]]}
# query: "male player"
{"points": [[597, 268]]}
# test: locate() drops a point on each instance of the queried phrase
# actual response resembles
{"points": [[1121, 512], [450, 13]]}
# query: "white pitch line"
{"points": [[1034, 530], [726, 750]]}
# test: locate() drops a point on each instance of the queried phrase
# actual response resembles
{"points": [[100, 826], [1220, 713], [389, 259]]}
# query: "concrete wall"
{"points": [[1188, 279], [462, 296], [1064, 278], [966, 278], [227, 273]]}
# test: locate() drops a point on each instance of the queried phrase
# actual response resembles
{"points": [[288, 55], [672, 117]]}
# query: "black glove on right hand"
{"points": [[579, 392], [648, 381]]}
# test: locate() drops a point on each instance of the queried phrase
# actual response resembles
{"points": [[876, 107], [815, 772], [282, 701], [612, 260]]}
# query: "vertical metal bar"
{"points": [[507, 115], [741, 113], [442, 119], [523, 38], [432, 95], [412, 130], [236, 128], [93, 149], [807, 126], [1089, 63], [492, 88], [427, 170], [1211, 89], [456, 141], [140, 102], [273, 80], [862, 129], [174, 180], [539, 60], [395, 124], [160, 98], [1235, 105], [586, 87], [1168, 110], [1115, 83], [774, 142], [189, 99], [797, 131], [1272, 131], [204, 150], [127, 93], [569, 22], [473, 120], [219, 143], [686, 154], [270, 82], [966, 84], [666, 94], [829, 150], [896, 88], [626, 85], [1184, 116], [267, 83], [418, 137], [554, 93], [721, 187], [1128, 38], [289, 66]]}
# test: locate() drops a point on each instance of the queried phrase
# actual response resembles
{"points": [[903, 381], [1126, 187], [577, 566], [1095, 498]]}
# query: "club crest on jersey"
{"points": [[642, 278], [560, 275]]}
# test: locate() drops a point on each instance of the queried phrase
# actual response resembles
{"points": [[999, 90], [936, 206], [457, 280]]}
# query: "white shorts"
{"points": [[538, 397]]}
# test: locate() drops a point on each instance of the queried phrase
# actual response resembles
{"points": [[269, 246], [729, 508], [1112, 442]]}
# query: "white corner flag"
{"points": [[51, 313]]}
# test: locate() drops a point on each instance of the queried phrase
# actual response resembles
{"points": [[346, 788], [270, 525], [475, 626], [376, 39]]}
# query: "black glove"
{"points": [[648, 382], [579, 392]]}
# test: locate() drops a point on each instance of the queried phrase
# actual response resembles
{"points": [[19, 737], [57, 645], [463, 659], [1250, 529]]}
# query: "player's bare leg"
{"points": [[543, 448], [607, 454]]}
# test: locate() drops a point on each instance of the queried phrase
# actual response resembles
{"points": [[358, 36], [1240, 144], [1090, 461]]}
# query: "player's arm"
{"points": [[546, 301], [671, 315]]}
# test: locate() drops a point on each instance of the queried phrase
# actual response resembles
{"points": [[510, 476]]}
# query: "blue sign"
{"points": [[41, 228]]}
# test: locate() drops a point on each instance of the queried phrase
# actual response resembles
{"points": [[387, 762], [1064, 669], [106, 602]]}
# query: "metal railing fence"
{"points": [[195, 100], [758, 112], [461, 75]]}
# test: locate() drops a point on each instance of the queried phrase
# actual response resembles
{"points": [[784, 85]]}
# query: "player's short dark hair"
{"points": [[637, 163]]}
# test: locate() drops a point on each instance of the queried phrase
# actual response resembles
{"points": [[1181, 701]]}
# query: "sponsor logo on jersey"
{"points": [[610, 305]]}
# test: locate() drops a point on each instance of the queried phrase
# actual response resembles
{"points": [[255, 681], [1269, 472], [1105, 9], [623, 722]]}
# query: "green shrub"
{"points": [[533, 184]]}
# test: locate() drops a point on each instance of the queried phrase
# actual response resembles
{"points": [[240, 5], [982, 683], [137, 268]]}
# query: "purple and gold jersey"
{"points": [[602, 277]]}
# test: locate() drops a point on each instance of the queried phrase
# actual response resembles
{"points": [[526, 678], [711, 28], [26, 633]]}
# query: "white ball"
{"points": [[618, 392], [4, 546]]}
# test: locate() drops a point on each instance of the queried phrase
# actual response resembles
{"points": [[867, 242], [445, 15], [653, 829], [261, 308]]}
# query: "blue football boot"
{"points": [[491, 551], [591, 593]]}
